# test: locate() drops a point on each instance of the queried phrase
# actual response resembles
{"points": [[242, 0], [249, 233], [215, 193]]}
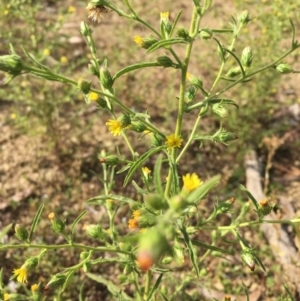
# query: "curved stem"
{"points": [[63, 246]]}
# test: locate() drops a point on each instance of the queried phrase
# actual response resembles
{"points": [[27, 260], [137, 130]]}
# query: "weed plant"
{"points": [[168, 223]]}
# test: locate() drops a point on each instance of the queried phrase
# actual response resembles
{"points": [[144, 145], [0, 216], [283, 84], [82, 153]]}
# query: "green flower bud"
{"points": [[84, 86], [12, 64], [165, 61], [145, 43], [31, 263], [183, 33], [243, 18], [248, 257], [128, 269], [137, 126], [178, 203], [153, 245], [93, 67], [155, 201], [284, 68], [225, 206], [58, 225], [110, 160], [167, 260], [94, 231], [105, 78], [264, 208], [219, 110], [233, 72], [157, 140], [85, 30], [223, 136], [190, 94], [56, 281], [21, 232], [247, 57], [84, 255], [86, 266], [125, 120], [101, 103], [206, 34]]}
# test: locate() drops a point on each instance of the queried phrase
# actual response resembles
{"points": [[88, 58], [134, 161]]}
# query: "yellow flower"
{"points": [[191, 182], [173, 141], [114, 126], [46, 52], [93, 96], [71, 9], [63, 60], [51, 215], [136, 213], [132, 223], [6, 13], [13, 115], [6, 296], [34, 287], [164, 15], [146, 171], [21, 274], [139, 40]]}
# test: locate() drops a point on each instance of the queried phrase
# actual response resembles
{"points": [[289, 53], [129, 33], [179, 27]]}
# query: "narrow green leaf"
{"points": [[113, 289], [5, 230], [155, 287], [166, 43], [288, 292], [77, 220], [35, 222], [139, 162], [124, 168], [98, 200], [157, 175], [163, 296], [188, 242], [138, 188], [237, 60], [210, 247], [260, 263], [175, 22], [224, 101], [199, 193], [1, 279], [250, 196], [246, 291]]}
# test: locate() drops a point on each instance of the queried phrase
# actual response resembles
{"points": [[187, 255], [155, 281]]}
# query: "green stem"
{"points": [[224, 61], [271, 65], [148, 283], [63, 246], [246, 224], [194, 27], [189, 140]]}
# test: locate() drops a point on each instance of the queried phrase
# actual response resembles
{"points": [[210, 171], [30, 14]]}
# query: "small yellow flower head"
{"points": [[34, 287], [64, 60], [136, 213], [6, 12], [139, 40], [146, 171], [95, 13], [114, 126], [21, 274], [51, 216], [93, 96], [6, 297], [13, 115], [133, 223], [46, 52], [173, 141], [164, 16], [71, 9], [191, 182]]}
